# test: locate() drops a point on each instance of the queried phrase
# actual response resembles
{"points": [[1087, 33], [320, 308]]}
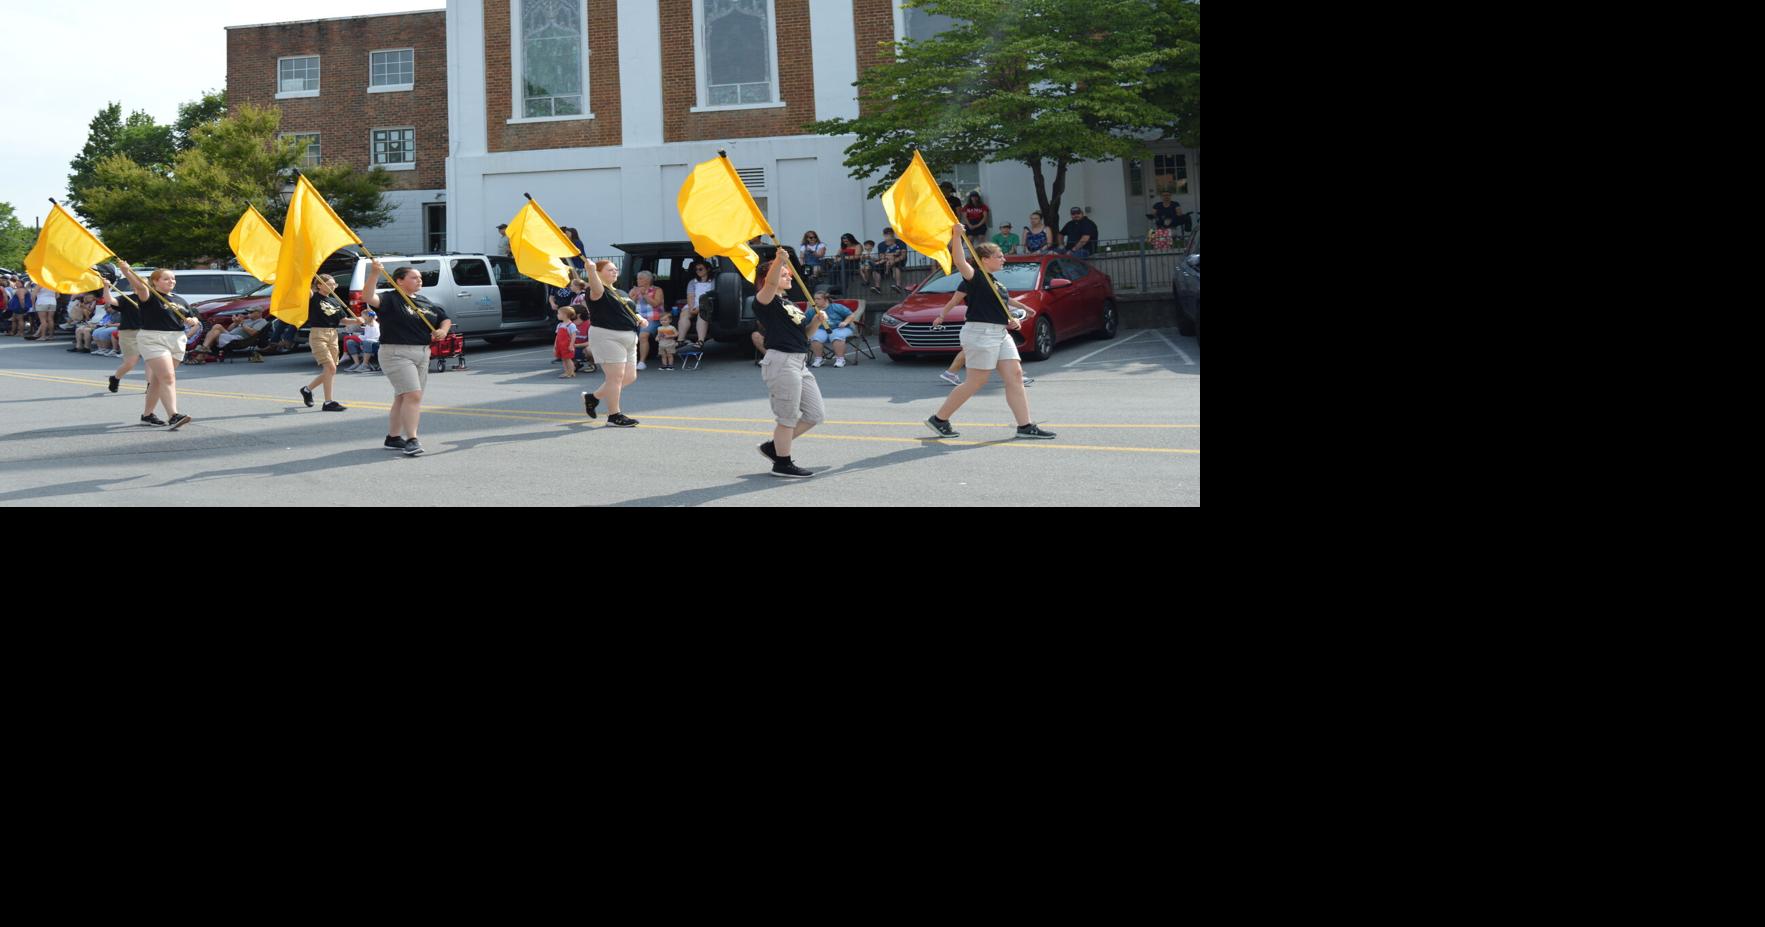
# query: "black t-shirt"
{"points": [[985, 303], [128, 313], [611, 311], [1164, 217], [399, 325], [1077, 229], [156, 316], [782, 333], [328, 312]]}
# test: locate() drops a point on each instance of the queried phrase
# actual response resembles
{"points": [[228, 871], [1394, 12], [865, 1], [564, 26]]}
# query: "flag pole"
{"points": [[411, 306], [810, 305]]}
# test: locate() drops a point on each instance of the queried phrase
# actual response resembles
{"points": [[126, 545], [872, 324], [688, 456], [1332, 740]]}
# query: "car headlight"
{"points": [[889, 321]]}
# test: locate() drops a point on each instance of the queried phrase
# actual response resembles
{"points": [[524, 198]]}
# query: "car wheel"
{"points": [[1111, 319], [1044, 341]]}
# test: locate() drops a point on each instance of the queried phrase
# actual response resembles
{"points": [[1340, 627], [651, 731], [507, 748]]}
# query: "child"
{"points": [[668, 339], [363, 348], [564, 346], [868, 265], [583, 324]]}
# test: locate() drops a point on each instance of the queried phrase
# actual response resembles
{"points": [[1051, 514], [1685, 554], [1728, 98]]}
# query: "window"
{"points": [[472, 273], [390, 71], [1170, 173], [435, 225], [738, 53], [551, 59], [309, 141], [395, 149], [297, 77], [966, 177]]}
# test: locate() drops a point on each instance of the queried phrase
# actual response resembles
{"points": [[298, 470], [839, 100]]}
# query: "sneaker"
{"points": [[620, 420], [788, 469], [394, 443], [839, 362], [642, 366], [412, 448], [151, 419], [590, 404], [769, 451], [78, 351], [941, 428], [178, 421], [306, 395], [818, 361], [115, 384], [335, 407], [1029, 382], [950, 378], [1031, 432]]}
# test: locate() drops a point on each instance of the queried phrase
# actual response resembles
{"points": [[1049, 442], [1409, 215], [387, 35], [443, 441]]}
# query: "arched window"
{"points": [[553, 60], [737, 53]]}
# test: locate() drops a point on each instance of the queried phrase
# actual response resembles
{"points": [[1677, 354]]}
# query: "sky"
{"points": [[61, 70]]}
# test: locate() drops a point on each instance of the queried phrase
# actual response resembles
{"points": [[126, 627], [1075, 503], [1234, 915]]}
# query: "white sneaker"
{"points": [[950, 378], [839, 362], [1029, 382], [818, 361], [642, 366]]}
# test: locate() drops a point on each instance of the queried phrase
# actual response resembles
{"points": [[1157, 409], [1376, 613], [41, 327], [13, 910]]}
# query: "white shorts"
{"points": [[161, 344], [612, 347], [987, 345]]}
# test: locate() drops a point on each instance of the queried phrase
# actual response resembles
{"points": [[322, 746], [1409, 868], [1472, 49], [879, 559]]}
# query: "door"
{"points": [[473, 299], [435, 228], [524, 299]]}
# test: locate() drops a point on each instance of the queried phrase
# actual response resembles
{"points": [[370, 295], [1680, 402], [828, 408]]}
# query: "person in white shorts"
{"points": [[166, 324], [987, 341], [612, 340]]}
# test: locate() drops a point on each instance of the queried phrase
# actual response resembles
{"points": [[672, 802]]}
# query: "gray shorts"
{"points": [[406, 367], [795, 395]]}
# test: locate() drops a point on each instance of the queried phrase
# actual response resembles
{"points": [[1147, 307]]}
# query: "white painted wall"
{"points": [[404, 235]]}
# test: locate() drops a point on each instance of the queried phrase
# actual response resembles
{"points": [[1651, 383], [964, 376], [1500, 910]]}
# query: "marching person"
{"points": [[613, 343], [165, 325], [409, 324], [986, 341], [324, 315], [795, 396]]}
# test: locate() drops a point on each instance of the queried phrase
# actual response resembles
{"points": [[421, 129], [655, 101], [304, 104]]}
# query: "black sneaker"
{"points": [[151, 419], [787, 469], [1030, 431], [114, 384], [306, 396], [335, 407], [394, 443], [589, 404], [769, 451], [178, 421], [412, 448], [941, 427], [620, 420]]}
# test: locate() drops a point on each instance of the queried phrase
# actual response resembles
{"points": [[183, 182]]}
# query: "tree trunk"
{"points": [[1050, 203]]}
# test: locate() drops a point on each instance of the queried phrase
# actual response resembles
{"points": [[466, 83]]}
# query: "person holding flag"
{"points": [[790, 387], [325, 314], [406, 331], [166, 321], [987, 341], [612, 341]]}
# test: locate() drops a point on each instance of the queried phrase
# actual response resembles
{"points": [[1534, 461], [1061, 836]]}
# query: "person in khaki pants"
{"points": [[790, 387], [323, 316]]}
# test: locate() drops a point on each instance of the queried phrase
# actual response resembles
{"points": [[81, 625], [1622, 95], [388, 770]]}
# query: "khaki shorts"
{"points": [[611, 347], [154, 345], [987, 345], [324, 345], [406, 367], [795, 395], [129, 343]]}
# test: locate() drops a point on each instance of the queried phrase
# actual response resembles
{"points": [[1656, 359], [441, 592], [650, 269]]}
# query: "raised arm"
{"points": [[371, 290], [142, 290], [960, 256], [774, 280]]}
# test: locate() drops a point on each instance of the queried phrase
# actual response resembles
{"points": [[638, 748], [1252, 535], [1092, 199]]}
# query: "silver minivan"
{"points": [[483, 298]]}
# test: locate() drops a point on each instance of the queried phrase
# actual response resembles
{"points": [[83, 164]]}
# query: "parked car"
{"points": [[1067, 297], [204, 286], [1188, 289], [486, 296]]}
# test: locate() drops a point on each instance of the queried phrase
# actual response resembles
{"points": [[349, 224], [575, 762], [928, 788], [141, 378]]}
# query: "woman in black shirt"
{"points": [[612, 340], [324, 314], [409, 323], [791, 388], [987, 341], [166, 321]]}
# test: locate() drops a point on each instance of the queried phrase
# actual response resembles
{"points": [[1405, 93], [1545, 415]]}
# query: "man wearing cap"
{"points": [[507, 249], [1006, 240], [1080, 234]]}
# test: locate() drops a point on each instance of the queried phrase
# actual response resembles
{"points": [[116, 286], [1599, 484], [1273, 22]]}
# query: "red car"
{"points": [[1068, 298]]}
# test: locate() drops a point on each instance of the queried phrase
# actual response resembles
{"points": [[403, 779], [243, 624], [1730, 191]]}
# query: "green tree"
{"points": [[210, 109], [1034, 82], [16, 239], [101, 140], [183, 216]]}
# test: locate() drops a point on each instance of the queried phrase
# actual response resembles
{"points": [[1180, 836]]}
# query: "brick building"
{"points": [[365, 91]]}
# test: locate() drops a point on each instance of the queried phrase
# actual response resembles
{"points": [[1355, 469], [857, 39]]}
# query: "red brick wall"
{"points": [[874, 23], [603, 86], [345, 113], [796, 78]]}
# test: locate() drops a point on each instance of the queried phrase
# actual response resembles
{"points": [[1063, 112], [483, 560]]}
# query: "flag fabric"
{"points": [[538, 245], [312, 234], [257, 245], [919, 213], [720, 216], [64, 255]]}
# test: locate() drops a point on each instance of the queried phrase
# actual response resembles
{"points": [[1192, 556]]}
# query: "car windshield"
{"points": [[1013, 277], [205, 286]]}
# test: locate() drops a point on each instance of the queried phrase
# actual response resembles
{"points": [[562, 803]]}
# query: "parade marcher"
{"points": [[795, 396], [409, 324], [128, 313], [986, 341], [612, 342], [166, 322], [324, 315]]}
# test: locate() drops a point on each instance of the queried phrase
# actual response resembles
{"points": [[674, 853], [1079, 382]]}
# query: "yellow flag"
{"points": [[256, 245], [719, 215], [919, 213], [537, 243], [65, 252], [312, 234]]}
